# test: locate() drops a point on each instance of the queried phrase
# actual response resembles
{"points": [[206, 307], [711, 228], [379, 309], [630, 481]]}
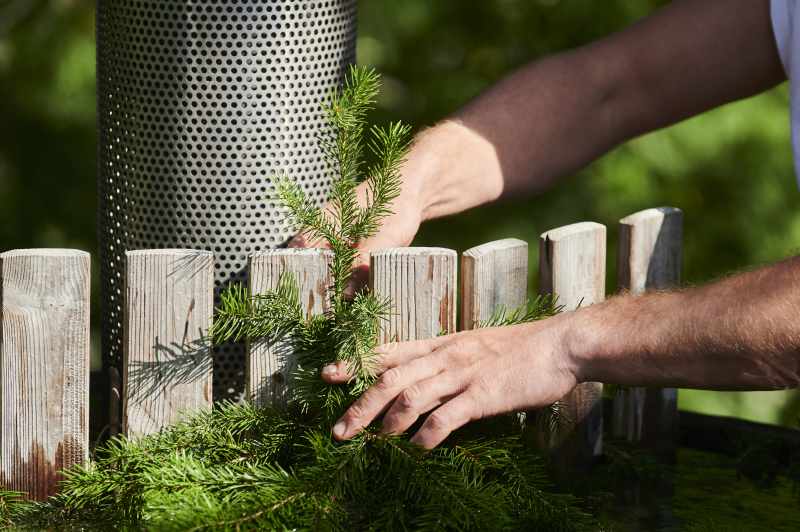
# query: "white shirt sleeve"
{"points": [[782, 13]]}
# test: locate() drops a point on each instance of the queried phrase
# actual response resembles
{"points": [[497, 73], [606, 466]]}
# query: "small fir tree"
{"points": [[240, 466]]}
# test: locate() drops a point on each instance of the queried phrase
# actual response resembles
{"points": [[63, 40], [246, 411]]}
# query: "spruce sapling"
{"points": [[242, 466]]}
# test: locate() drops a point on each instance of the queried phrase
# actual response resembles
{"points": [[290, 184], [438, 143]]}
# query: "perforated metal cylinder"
{"points": [[199, 103]]}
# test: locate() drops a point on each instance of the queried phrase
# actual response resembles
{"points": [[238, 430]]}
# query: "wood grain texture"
{"points": [[44, 367], [492, 275], [649, 258], [572, 265], [167, 361], [269, 364], [421, 283]]}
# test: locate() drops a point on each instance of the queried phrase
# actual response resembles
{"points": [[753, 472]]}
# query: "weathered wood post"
{"points": [[269, 364], [649, 258], [493, 275], [421, 283], [572, 265], [44, 367], [169, 305]]}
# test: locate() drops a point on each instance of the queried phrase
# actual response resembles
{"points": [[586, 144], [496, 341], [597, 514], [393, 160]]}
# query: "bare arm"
{"points": [[556, 115], [549, 119], [741, 333]]}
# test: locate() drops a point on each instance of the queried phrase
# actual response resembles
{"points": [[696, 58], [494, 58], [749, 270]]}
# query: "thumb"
{"points": [[361, 266], [301, 240]]}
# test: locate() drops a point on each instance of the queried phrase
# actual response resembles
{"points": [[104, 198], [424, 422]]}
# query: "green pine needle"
{"points": [[242, 467]]}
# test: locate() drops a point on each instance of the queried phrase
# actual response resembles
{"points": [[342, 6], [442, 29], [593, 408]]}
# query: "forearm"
{"points": [[556, 115], [741, 333], [544, 121]]}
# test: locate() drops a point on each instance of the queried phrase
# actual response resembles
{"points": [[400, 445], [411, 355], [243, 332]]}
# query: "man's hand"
{"points": [[397, 230], [547, 120], [449, 169], [740, 333], [460, 378], [554, 116]]}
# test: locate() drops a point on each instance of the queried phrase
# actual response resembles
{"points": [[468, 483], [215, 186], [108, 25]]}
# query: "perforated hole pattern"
{"points": [[199, 103]]}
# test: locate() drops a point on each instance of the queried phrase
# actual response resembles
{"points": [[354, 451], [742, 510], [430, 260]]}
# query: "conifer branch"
{"points": [[242, 467]]}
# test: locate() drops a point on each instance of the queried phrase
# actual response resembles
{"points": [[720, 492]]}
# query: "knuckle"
{"points": [[455, 352], [477, 396], [480, 386], [390, 421], [387, 348], [448, 355], [389, 379], [407, 399], [356, 410], [438, 421]]}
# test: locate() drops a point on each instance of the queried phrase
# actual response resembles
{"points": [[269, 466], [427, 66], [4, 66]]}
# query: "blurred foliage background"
{"points": [[730, 170]]}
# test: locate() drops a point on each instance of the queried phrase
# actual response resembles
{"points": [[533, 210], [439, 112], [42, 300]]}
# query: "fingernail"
{"points": [[339, 428], [330, 370]]}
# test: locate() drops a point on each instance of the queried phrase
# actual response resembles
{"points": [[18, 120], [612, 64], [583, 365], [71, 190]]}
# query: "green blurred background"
{"points": [[729, 170]]}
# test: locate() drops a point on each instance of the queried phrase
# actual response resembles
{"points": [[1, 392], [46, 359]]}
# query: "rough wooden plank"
{"points": [[572, 265], [269, 364], [421, 283], [649, 258], [44, 367], [492, 275], [167, 364]]}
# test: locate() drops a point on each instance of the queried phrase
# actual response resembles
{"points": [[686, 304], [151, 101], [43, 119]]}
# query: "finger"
{"points": [[453, 414], [387, 356], [392, 382], [359, 277], [420, 398], [297, 241], [336, 373], [395, 354], [302, 240]]}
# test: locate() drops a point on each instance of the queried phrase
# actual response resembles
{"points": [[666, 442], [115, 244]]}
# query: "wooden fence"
{"points": [[167, 367]]}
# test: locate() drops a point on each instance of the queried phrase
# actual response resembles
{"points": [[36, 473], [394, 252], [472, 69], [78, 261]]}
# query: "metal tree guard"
{"points": [[199, 102]]}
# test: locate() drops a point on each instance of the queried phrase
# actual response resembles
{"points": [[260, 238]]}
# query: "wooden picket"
{"points": [[572, 265], [44, 367], [269, 364], [493, 275], [421, 283], [649, 258], [167, 366], [169, 306]]}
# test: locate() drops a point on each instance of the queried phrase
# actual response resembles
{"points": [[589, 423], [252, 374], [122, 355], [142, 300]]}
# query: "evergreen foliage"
{"points": [[241, 466]]}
